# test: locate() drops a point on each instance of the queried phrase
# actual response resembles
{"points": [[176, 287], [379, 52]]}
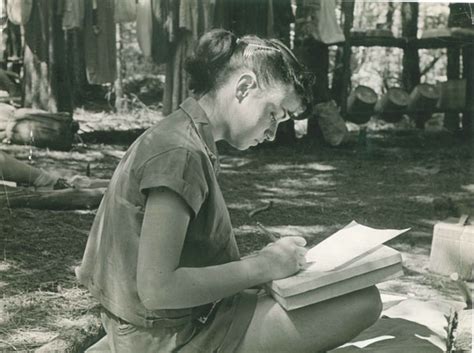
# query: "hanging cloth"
{"points": [[3, 14], [156, 21], [125, 11], [145, 26], [3, 31], [164, 27], [46, 80], [317, 19], [73, 15], [19, 11], [100, 42], [193, 18]]}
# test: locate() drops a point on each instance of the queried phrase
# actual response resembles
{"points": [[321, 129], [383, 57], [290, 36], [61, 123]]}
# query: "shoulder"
{"points": [[174, 140], [174, 134]]}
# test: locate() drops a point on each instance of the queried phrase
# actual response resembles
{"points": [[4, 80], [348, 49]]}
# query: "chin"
{"points": [[239, 145]]}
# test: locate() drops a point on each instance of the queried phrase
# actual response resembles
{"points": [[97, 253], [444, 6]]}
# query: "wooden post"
{"points": [[120, 102], [348, 11], [468, 74], [451, 119], [411, 59]]}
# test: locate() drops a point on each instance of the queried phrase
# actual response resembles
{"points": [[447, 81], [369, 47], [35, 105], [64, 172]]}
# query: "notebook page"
{"points": [[347, 244]]}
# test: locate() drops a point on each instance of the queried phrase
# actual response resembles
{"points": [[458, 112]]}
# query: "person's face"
{"points": [[260, 112]]}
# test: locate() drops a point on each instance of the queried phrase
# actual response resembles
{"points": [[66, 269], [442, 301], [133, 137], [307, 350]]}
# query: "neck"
{"points": [[210, 104]]}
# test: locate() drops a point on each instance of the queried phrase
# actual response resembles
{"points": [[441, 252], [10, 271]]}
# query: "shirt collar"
{"points": [[192, 108]]}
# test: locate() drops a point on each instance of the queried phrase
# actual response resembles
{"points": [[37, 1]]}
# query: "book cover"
{"points": [[338, 288], [310, 279]]}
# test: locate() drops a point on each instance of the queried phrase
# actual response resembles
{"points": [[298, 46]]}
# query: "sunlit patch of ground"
{"points": [[469, 188], [396, 179], [299, 167]]}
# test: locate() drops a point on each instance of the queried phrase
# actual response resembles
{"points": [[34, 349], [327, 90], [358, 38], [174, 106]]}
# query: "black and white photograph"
{"points": [[236, 176]]}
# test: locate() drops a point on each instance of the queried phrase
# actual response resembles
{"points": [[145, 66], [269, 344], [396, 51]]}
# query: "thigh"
{"points": [[314, 328]]}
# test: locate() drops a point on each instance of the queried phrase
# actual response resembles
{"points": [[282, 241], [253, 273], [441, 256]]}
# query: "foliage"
{"points": [[380, 68]]}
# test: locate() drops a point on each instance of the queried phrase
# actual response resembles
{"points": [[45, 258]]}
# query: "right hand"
{"points": [[284, 257]]}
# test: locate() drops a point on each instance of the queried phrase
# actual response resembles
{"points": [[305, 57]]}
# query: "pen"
{"points": [[272, 236]]}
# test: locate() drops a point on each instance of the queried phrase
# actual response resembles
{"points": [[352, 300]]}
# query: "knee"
{"points": [[370, 305]]}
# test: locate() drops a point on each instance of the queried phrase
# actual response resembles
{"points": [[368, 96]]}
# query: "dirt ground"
{"points": [[393, 179]]}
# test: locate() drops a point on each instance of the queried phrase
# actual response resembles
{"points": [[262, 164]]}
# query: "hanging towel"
{"points": [[125, 11], [99, 41], [317, 19], [73, 15], [145, 26], [19, 11]]}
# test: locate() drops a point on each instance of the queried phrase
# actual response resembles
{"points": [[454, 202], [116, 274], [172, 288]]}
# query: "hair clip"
{"points": [[252, 48]]}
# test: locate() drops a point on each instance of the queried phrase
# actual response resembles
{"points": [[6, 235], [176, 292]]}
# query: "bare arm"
{"points": [[12, 169], [164, 285]]}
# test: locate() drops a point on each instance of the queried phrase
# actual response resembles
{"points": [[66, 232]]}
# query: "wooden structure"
{"points": [[392, 105], [422, 102], [360, 105], [456, 39]]}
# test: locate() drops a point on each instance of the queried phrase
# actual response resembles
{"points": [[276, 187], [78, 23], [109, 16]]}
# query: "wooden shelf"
{"points": [[376, 41]]}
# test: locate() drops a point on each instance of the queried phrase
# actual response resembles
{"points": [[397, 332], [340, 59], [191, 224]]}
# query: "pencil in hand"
{"points": [[270, 235]]}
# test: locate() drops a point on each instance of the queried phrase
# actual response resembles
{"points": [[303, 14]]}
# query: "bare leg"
{"points": [[311, 329], [12, 169]]}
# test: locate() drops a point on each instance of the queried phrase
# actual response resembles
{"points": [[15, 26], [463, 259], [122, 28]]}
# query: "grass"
{"points": [[397, 179]]}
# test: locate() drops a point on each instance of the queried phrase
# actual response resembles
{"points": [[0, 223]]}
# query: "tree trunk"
{"points": [[389, 16], [348, 10], [411, 67], [120, 102], [468, 74], [461, 16], [451, 119]]}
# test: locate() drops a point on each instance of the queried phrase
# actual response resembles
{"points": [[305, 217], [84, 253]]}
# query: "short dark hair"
{"points": [[219, 53]]}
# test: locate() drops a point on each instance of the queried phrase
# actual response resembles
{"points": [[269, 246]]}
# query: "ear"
{"points": [[245, 83]]}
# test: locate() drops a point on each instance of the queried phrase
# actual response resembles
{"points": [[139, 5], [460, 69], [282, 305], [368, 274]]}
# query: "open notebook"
{"points": [[351, 259]]}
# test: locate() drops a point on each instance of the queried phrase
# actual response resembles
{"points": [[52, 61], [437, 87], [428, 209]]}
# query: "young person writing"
{"points": [[162, 258]]}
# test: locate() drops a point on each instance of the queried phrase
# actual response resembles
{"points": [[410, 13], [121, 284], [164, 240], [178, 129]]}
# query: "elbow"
{"points": [[152, 294]]}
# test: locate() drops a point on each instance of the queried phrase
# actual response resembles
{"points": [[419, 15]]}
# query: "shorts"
{"points": [[221, 333]]}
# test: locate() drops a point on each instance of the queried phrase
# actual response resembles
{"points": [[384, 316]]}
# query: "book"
{"points": [[340, 288], [348, 245], [351, 259]]}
